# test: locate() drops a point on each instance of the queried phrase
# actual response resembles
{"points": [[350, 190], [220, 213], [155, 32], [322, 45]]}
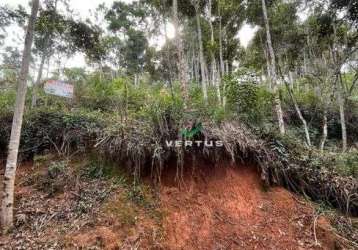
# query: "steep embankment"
{"points": [[211, 207], [226, 207]]}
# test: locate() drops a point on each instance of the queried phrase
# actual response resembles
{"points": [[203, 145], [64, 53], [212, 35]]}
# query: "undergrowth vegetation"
{"points": [[130, 124], [160, 87]]}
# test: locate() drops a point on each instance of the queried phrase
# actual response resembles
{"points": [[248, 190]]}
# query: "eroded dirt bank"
{"points": [[213, 207], [226, 207]]}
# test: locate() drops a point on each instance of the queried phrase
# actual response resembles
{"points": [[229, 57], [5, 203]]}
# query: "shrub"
{"points": [[163, 110], [56, 168], [7, 100], [99, 167], [252, 103], [344, 163], [64, 132], [118, 95]]}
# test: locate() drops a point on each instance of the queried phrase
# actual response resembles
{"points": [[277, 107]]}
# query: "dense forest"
{"points": [[166, 93]]}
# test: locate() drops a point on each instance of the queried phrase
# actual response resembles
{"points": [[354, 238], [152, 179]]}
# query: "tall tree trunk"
{"points": [[35, 88], [298, 110], [268, 68], [136, 80], [183, 76], [354, 81], [214, 75], [324, 127], [291, 78], [201, 55], [218, 82], [222, 65], [277, 101], [11, 163], [334, 50], [340, 98], [191, 64], [304, 63], [268, 73], [167, 54], [48, 68], [196, 68], [212, 42]]}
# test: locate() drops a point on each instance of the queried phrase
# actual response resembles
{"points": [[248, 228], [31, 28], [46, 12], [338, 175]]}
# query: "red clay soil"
{"points": [[225, 207], [221, 207]]}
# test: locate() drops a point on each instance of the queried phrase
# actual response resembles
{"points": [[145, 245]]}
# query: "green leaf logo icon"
{"points": [[190, 133]]}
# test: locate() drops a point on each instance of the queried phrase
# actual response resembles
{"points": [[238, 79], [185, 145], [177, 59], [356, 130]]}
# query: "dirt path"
{"points": [[227, 208]]}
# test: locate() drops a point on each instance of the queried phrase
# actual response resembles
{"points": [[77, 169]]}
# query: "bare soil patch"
{"points": [[226, 207], [211, 207]]}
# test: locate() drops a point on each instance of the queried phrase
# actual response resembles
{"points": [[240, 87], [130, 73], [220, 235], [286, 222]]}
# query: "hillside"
{"points": [[220, 207], [179, 124]]}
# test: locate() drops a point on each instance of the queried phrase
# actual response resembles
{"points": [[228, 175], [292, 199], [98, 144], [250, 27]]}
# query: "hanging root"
{"points": [[277, 167], [145, 147]]}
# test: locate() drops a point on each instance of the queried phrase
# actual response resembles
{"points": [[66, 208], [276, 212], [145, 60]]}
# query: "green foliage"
{"points": [[250, 102], [7, 100], [290, 150], [86, 38], [56, 168], [345, 163], [59, 130], [199, 110], [310, 105], [98, 167], [118, 95], [162, 107], [55, 177]]}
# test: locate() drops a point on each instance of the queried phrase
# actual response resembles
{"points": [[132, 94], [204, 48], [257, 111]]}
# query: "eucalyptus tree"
{"points": [[58, 33], [273, 70], [84, 37], [162, 14], [10, 55], [288, 41], [182, 65], [349, 7], [332, 43], [7, 204], [344, 50], [10, 16], [214, 77], [136, 49], [10, 66], [230, 15], [197, 4], [186, 17], [128, 23], [4, 22], [49, 28]]}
